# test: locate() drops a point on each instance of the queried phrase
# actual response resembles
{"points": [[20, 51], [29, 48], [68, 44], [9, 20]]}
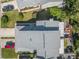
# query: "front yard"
{"points": [[14, 16], [8, 53], [5, 1]]}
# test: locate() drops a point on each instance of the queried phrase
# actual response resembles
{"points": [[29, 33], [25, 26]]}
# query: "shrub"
{"points": [[21, 16], [4, 19]]}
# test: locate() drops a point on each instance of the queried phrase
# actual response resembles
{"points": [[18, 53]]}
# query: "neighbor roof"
{"points": [[43, 38], [30, 3]]}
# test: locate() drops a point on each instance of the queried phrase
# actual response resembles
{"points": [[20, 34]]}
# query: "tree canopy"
{"points": [[21, 16], [72, 11], [57, 12], [70, 6], [4, 19]]}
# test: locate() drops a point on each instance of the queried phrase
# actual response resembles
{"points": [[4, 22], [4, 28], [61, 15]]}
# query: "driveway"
{"points": [[10, 3]]}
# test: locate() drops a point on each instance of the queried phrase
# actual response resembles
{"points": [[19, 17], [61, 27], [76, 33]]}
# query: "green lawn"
{"points": [[65, 43], [14, 16], [5, 1], [8, 53]]}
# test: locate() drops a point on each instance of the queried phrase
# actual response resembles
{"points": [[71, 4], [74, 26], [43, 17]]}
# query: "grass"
{"points": [[65, 43], [5, 1], [8, 53], [14, 16]]}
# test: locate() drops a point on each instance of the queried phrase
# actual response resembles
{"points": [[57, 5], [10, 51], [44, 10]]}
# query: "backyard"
{"points": [[8, 53]]}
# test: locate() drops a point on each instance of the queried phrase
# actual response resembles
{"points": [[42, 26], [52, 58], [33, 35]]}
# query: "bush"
{"points": [[4, 19], [57, 13], [21, 16], [43, 15]]}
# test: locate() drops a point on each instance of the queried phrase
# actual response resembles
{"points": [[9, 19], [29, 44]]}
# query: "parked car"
{"points": [[8, 8]]}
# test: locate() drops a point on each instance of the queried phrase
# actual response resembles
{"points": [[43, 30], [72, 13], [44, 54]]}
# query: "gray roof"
{"points": [[44, 41], [30, 3]]}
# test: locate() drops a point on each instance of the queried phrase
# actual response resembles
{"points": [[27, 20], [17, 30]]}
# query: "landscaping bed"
{"points": [[8, 53], [7, 37]]}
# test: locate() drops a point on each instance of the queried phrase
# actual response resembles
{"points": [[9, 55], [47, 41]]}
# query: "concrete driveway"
{"points": [[10, 3]]}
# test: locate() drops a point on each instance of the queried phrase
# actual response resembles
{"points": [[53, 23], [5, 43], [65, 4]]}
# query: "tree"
{"points": [[57, 13], [72, 10], [43, 15], [4, 19], [21, 16], [74, 21], [70, 6]]}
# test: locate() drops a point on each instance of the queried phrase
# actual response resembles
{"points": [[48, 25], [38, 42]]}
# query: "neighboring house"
{"points": [[42, 36], [39, 4]]}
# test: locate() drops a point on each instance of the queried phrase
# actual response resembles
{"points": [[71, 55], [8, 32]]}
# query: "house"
{"points": [[37, 4], [42, 36]]}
